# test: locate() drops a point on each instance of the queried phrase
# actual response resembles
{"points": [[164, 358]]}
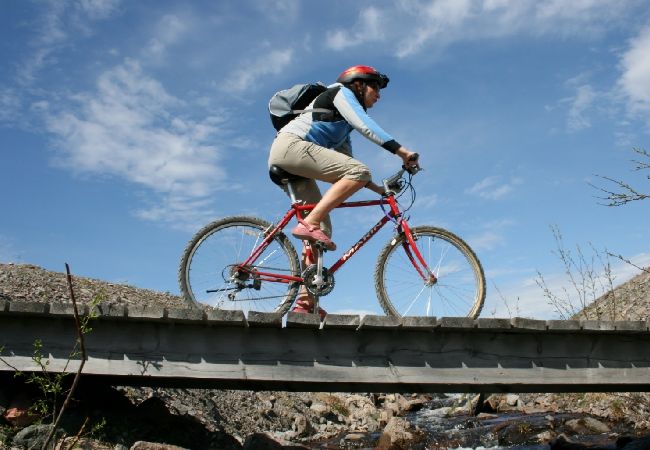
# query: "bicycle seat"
{"points": [[281, 177]]}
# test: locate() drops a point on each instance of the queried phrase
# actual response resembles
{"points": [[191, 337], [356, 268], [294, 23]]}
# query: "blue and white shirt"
{"points": [[332, 129]]}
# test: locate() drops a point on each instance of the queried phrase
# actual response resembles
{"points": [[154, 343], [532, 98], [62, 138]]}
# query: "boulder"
{"points": [[396, 435]]}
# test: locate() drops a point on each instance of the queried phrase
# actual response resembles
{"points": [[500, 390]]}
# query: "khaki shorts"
{"points": [[314, 162]]}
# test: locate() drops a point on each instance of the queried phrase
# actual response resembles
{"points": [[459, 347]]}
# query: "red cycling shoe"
{"points": [[311, 233]]}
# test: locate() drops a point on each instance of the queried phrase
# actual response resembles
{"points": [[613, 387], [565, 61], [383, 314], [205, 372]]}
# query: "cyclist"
{"points": [[316, 145]]}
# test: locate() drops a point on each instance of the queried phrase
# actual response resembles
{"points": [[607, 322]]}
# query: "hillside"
{"points": [[628, 301]]}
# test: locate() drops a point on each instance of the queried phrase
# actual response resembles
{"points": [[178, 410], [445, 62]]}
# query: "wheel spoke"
{"points": [[460, 286], [209, 276]]}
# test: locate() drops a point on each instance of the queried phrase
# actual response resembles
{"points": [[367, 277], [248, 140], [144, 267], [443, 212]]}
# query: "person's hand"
{"points": [[409, 159]]}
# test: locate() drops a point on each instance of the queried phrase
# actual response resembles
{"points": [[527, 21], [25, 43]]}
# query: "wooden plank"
{"points": [[264, 319], [457, 322], [631, 325], [379, 322], [419, 323], [185, 314], [110, 310], [334, 321], [600, 325], [226, 317], [522, 323], [145, 312], [563, 325], [497, 324], [302, 320], [29, 308]]}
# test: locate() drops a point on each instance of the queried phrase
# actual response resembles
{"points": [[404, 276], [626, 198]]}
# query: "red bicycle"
{"points": [[248, 264]]}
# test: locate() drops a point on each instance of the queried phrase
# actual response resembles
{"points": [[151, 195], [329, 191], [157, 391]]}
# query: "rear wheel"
{"points": [[210, 272], [459, 288]]}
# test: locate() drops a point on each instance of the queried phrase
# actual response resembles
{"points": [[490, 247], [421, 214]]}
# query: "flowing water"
{"points": [[513, 430]]}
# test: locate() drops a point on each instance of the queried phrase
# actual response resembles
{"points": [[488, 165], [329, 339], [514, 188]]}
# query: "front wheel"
{"points": [[459, 286], [211, 271]]}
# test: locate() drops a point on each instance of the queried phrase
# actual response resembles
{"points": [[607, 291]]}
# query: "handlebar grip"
{"points": [[413, 170]]}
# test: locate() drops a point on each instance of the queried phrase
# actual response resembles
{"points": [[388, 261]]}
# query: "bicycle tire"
{"points": [[460, 287], [205, 267]]}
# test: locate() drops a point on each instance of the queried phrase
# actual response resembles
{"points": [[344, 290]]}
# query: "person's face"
{"points": [[371, 93]]}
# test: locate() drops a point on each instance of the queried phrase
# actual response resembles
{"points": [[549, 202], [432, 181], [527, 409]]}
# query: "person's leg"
{"points": [[309, 160], [334, 196]]}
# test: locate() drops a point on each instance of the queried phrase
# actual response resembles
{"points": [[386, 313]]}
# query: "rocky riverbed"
{"points": [[119, 417]]}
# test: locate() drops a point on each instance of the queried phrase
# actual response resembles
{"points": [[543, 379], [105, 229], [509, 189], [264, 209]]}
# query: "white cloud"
{"points": [[58, 22], [369, 28], [99, 9], [168, 31], [493, 188], [635, 79], [492, 235], [271, 63], [413, 26], [580, 104], [132, 128]]}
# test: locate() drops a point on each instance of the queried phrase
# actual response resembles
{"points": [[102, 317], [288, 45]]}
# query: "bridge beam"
{"points": [[184, 347]]}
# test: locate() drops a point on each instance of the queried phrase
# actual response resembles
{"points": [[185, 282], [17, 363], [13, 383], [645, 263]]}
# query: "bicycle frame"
{"points": [[394, 214]]}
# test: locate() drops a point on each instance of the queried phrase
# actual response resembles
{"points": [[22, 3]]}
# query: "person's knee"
{"points": [[358, 172]]}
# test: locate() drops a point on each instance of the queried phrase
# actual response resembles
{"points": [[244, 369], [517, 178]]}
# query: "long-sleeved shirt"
{"points": [[332, 129]]}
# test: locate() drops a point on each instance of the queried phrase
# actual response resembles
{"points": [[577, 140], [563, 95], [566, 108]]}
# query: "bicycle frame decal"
{"points": [[296, 209], [347, 255]]}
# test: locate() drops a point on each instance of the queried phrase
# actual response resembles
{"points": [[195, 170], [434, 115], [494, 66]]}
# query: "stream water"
{"points": [[513, 430], [444, 428]]}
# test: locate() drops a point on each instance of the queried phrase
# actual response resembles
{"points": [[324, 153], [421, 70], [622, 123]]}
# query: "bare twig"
{"points": [[626, 193], [625, 260], [80, 337]]}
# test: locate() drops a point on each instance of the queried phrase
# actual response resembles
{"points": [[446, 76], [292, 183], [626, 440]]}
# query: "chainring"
{"points": [[309, 279]]}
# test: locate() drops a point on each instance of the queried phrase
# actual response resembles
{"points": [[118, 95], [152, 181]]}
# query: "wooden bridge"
{"points": [[224, 349]]}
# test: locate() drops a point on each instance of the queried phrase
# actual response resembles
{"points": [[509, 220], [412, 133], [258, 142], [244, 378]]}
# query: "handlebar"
{"points": [[394, 184]]}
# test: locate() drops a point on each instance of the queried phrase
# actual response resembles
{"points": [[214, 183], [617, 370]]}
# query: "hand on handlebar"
{"points": [[409, 160]]}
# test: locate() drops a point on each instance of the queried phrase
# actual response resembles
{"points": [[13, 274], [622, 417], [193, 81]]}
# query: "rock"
{"points": [[564, 443], [302, 426], [143, 445], [354, 437], [512, 399], [396, 435], [585, 425], [545, 436], [34, 436], [320, 409], [262, 441]]}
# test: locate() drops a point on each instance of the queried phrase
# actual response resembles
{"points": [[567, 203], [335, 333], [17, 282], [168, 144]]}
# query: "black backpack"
{"points": [[285, 105]]}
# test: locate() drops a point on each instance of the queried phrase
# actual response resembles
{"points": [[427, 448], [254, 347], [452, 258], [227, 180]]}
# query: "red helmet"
{"points": [[366, 73]]}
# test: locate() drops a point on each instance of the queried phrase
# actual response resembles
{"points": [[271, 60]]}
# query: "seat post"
{"points": [[292, 193]]}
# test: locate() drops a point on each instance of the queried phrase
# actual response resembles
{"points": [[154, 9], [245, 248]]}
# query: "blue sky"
{"points": [[125, 126]]}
